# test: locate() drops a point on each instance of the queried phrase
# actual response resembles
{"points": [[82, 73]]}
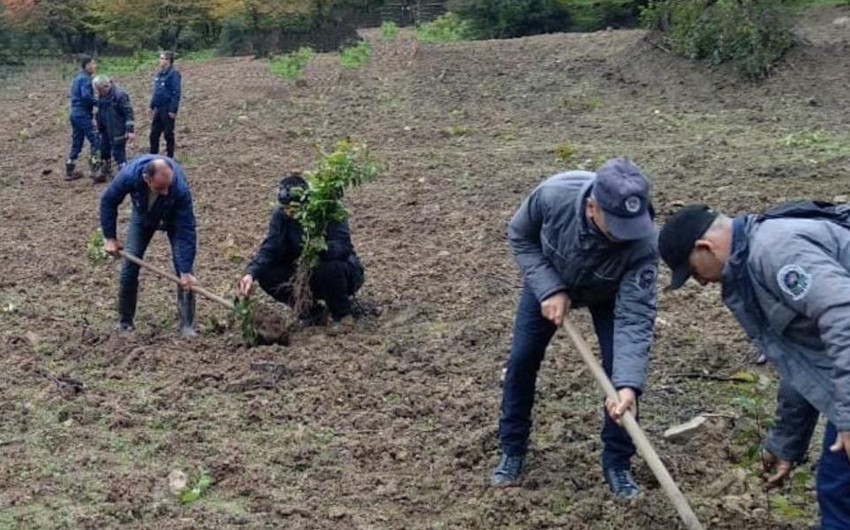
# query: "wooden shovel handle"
{"points": [[638, 437], [165, 274]]}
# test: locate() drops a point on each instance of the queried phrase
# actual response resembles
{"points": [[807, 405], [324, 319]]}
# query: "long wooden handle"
{"points": [[165, 274], [638, 437]]}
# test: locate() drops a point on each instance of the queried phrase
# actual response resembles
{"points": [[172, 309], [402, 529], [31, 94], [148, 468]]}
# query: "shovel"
{"points": [[638, 437]]}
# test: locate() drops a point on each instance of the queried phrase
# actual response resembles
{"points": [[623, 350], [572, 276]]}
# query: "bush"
{"points": [[292, 65], [592, 15], [751, 34], [500, 19], [355, 56], [389, 30], [448, 28]]}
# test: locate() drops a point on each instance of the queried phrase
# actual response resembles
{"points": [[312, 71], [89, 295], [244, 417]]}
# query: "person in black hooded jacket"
{"points": [[335, 279]]}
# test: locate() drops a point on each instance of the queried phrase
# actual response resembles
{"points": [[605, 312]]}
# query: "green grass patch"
{"points": [[448, 28], [198, 56], [130, 64], [389, 30], [355, 56], [291, 65]]}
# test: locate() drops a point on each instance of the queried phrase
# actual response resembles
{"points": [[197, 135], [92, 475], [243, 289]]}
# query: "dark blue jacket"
{"points": [[166, 91], [115, 114], [282, 246], [172, 213], [82, 95]]}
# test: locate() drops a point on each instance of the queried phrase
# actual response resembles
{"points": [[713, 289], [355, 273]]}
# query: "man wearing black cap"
{"points": [[786, 278], [583, 239], [335, 279]]}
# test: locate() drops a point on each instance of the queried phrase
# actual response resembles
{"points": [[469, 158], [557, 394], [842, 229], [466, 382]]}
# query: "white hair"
{"points": [[100, 81]]}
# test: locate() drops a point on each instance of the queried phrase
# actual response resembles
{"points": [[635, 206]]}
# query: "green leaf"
{"points": [[203, 484]]}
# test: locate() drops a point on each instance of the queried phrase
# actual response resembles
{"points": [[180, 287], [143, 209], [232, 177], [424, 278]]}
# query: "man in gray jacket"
{"points": [[583, 239], [786, 278]]}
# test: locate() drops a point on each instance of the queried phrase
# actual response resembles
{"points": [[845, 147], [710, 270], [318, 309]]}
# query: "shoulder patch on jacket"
{"points": [[794, 281], [646, 276]]}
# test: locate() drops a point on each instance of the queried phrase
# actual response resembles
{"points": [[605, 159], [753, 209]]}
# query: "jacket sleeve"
{"points": [[175, 83], [634, 324], [339, 242], [87, 94], [186, 236], [127, 112], [269, 248], [805, 277], [796, 419], [525, 240], [111, 199]]}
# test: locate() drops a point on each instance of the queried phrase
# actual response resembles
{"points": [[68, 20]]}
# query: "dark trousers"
{"points": [[833, 485], [332, 281], [113, 150], [160, 125], [82, 129], [532, 333], [138, 238]]}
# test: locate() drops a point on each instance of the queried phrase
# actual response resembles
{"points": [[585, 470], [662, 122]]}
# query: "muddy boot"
{"points": [[186, 312], [126, 308], [70, 174], [102, 171], [96, 169]]}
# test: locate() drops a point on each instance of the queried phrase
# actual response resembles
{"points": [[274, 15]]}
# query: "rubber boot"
{"points": [[127, 308], [99, 169], [69, 171], [186, 312]]}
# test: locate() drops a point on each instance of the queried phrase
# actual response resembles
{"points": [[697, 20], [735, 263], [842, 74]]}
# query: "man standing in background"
{"points": [[115, 123], [82, 119], [165, 102]]}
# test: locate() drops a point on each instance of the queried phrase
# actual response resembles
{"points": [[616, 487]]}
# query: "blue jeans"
{"points": [[532, 333], [82, 129], [138, 238], [833, 485]]}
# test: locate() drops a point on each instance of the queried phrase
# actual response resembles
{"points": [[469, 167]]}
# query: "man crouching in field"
{"points": [[583, 239], [161, 201], [786, 278]]}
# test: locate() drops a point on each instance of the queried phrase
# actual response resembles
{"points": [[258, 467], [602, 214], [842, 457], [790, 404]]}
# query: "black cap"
{"points": [[677, 239]]}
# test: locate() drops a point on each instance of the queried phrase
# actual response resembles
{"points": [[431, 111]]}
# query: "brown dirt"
{"points": [[393, 425]]}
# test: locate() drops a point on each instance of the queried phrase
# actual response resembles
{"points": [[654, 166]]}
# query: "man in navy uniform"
{"points": [[83, 102], [165, 102], [583, 239], [785, 276]]}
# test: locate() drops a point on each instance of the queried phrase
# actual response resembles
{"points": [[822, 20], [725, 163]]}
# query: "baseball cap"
{"points": [[291, 189], [622, 191], [677, 239]]}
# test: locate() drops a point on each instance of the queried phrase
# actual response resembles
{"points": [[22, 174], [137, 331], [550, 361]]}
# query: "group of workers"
{"points": [[582, 240]]}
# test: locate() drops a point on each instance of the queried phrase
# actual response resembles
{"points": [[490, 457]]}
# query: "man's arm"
{"points": [[796, 419], [87, 94], [634, 324], [524, 238], [111, 199], [186, 236], [265, 254], [127, 112], [176, 89], [805, 277]]}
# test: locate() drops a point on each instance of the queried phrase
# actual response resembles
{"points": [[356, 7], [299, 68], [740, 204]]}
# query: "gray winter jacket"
{"points": [[559, 250], [788, 284]]}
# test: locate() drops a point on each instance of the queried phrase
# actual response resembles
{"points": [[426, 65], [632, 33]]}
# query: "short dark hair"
{"points": [[85, 60], [287, 186], [170, 56]]}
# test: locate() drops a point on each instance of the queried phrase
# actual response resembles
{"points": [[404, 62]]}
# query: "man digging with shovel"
{"points": [[786, 278], [161, 201], [583, 239]]}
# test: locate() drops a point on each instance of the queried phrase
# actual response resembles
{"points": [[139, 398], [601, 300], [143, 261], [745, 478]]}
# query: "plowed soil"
{"points": [[393, 426]]}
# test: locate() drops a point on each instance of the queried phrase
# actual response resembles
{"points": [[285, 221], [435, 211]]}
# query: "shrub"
{"points": [[592, 15], [355, 56], [389, 30], [448, 28], [751, 34], [291, 65], [497, 19]]}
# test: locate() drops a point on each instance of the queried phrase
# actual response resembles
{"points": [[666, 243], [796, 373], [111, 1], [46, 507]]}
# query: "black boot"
{"points": [[69, 171], [96, 166], [103, 171], [186, 312], [127, 308]]}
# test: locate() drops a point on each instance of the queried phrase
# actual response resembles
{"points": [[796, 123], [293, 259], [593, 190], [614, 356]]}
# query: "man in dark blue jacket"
{"points": [[335, 279], [115, 123], [165, 102], [82, 120], [583, 239], [161, 201]]}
